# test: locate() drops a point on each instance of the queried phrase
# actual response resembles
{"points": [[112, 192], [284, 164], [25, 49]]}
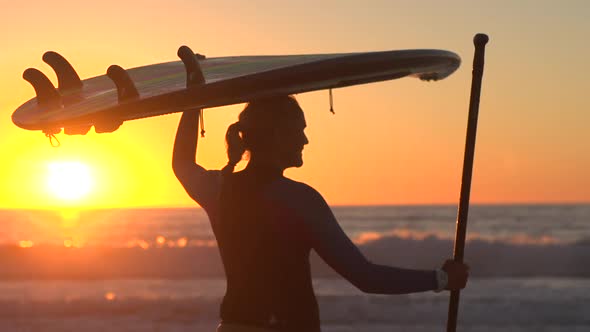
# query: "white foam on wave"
{"points": [[490, 258], [408, 234]]}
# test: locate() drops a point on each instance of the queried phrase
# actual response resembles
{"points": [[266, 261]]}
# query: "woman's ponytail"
{"points": [[235, 147]]}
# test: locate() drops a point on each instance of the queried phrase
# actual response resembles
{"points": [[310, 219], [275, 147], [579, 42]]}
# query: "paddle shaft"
{"points": [[479, 41]]}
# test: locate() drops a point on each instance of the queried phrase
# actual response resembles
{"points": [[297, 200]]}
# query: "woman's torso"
{"points": [[265, 252]]}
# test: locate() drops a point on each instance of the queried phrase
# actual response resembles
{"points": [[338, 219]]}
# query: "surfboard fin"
{"points": [[102, 127], [194, 74], [79, 130], [126, 89], [429, 77], [67, 78], [47, 94]]}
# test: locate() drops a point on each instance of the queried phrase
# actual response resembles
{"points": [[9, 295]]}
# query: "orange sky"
{"points": [[398, 142]]}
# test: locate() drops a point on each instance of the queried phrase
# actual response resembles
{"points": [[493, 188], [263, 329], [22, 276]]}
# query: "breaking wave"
{"points": [[518, 256]]}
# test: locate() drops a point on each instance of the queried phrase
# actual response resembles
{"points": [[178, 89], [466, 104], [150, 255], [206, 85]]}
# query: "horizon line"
{"points": [[154, 207]]}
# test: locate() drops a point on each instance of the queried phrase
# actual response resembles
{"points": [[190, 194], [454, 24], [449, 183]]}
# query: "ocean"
{"points": [[159, 270]]}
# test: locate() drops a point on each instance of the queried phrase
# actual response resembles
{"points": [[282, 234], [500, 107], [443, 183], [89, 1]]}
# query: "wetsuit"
{"points": [[265, 238]]}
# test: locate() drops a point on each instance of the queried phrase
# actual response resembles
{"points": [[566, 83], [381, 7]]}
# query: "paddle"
{"points": [[480, 40]]}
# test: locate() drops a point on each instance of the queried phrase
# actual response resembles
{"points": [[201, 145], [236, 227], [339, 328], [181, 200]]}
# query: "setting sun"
{"points": [[69, 180]]}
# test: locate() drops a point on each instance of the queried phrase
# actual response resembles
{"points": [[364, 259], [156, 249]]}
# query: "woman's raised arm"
{"points": [[192, 176]]}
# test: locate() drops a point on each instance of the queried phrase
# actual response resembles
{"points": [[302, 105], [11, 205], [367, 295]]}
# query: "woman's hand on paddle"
{"points": [[458, 273]]}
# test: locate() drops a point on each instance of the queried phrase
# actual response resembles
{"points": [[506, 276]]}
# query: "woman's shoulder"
{"points": [[295, 186], [295, 192], [301, 199]]}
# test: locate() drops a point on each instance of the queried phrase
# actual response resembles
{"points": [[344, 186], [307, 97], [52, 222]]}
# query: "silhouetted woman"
{"points": [[266, 225]]}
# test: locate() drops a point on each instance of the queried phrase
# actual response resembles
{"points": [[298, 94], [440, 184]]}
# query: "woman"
{"points": [[267, 224]]}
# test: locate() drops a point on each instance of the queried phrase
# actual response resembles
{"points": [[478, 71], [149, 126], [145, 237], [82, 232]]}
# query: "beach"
{"points": [[158, 270]]}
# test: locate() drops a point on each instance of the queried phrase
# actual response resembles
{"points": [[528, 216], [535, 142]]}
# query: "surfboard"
{"points": [[197, 82]]}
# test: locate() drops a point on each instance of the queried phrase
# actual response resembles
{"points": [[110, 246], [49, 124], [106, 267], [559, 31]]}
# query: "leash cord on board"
{"points": [[53, 140], [331, 102], [202, 120]]}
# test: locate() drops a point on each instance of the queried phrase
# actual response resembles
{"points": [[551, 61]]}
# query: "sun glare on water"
{"points": [[69, 180]]}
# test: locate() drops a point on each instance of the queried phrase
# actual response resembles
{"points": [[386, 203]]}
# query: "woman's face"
{"points": [[290, 140]]}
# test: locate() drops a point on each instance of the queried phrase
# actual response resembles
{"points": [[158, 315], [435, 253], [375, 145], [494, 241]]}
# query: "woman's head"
{"points": [[271, 129]]}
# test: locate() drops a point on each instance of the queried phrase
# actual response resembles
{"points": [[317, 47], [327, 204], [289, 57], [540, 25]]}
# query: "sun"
{"points": [[69, 180]]}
